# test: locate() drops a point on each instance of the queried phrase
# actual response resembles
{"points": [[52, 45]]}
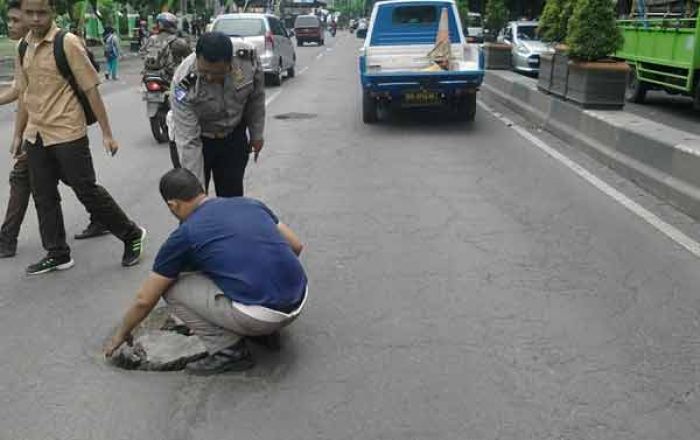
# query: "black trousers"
{"points": [[20, 191], [71, 163], [224, 161]]}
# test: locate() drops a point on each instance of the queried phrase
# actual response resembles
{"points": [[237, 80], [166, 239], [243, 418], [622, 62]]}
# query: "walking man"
{"points": [[20, 189], [249, 283], [218, 95], [112, 53], [58, 85]]}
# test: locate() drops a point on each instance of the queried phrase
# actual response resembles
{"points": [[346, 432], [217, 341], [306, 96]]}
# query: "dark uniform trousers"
{"points": [[71, 163], [225, 160], [20, 190]]}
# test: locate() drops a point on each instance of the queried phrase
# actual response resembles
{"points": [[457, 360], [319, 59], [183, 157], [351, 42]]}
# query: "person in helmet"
{"points": [[164, 50]]}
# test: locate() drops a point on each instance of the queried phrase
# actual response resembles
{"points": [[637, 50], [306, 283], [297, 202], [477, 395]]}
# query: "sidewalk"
{"points": [[7, 59], [662, 159]]}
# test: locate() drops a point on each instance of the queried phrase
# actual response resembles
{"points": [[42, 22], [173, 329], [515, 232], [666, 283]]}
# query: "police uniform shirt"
{"points": [[202, 109]]}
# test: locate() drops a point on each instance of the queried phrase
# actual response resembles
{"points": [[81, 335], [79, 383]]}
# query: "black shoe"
{"points": [[7, 251], [51, 264], [133, 249], [271, 341], [93, 230], [235, 358]]}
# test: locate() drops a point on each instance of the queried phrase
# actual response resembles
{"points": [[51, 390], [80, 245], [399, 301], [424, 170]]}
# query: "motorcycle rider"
{"points": [[164, 50]]}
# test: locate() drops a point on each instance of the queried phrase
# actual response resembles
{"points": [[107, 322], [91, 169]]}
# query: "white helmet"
{"points": [[167, 21]]}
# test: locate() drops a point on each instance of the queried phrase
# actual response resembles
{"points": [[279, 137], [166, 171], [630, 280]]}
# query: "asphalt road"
{"points": [[676, 111], [464, 285]]}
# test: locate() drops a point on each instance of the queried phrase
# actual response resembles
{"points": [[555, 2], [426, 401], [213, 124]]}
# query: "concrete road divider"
{"points": [[663, 160]]}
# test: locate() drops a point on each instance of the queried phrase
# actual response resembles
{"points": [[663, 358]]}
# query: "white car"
{"points": [[270, 38], [527, 47]]}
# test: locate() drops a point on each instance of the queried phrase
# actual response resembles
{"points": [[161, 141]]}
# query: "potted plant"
{"points": [[548, 32], [496, 55], [595, 80], [553, 26]]}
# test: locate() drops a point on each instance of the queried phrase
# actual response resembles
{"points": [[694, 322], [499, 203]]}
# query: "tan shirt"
{"points": [[54, 109]]}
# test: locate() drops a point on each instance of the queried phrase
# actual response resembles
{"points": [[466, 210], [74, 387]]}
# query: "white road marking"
{"points": [[320, 55], [668, 230], [301, 72], [272, 98]]}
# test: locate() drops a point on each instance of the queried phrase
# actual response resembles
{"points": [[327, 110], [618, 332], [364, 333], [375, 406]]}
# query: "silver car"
{"points": [[527, 47], [270, 38]]}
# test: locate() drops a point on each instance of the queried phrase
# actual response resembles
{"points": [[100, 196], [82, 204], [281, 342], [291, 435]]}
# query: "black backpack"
{"points": [[59, 54]]}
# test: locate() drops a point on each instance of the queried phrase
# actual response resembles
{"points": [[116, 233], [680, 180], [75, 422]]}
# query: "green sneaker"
{"points": [[133, 250], [51, 264]]}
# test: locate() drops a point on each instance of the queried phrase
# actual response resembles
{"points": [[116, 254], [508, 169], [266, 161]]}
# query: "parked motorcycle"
{"points": [[157, 100]]}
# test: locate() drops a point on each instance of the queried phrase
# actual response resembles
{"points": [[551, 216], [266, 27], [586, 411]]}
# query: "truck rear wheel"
{"points": [[369, 109], [636, 89], [466, 109]]}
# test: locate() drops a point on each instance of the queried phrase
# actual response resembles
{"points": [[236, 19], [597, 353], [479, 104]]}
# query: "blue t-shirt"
{"points": [[236, 243]]}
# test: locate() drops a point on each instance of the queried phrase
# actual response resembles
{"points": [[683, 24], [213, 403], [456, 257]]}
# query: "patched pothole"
{"points": [[159, 345], [295, 116]]}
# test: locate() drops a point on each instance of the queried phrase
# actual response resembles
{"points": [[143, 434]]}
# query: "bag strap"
{"points": [[59, 53], [63, 66], [22, 49]]}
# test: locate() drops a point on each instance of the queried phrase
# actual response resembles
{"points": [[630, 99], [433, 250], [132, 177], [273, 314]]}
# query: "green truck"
{"points": [[662, 47]]}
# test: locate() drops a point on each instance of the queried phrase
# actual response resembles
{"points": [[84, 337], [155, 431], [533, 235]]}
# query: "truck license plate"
{"points": [[421, 98]]}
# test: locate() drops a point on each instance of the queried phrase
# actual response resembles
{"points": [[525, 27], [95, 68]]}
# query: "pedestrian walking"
{"points": [[218, 96], [58, 85], [249, 281], [20, 189], [112, 53], [143, 33]]}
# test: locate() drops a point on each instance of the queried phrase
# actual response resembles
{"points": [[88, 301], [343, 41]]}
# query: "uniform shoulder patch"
{"points": [[180, 94], [184, 86]]}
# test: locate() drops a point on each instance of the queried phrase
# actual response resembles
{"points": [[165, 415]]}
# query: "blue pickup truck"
{"points": [[396, 68]]}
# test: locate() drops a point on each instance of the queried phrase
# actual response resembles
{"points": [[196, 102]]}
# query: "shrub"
{"points": [[593, 33], [496, 15], [554, 22]]}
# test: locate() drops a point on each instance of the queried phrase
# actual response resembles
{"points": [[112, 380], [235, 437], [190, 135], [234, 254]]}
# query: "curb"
{"points": [[663, 160]]}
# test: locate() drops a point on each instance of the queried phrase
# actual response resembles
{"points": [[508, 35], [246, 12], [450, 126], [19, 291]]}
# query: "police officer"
{"points": [[218, 97]]}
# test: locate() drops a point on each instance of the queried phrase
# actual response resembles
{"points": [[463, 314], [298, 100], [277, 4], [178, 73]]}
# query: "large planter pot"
{"points": [[544, 80], [598, 84], [560, 71], [497, 56]]}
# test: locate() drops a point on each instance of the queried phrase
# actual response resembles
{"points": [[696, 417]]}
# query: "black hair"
{"points": [[52, 4], [214, 47], [180, 184], [14, 4]]}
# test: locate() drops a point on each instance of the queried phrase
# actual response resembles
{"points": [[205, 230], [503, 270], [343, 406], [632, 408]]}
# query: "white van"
{"points": [[475, 27]]}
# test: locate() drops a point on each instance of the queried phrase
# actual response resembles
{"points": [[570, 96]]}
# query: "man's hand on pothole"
{"points": [[117, 342], [129, 357]]}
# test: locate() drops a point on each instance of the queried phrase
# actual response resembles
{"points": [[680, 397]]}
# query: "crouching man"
{"points": [[229, 271]]}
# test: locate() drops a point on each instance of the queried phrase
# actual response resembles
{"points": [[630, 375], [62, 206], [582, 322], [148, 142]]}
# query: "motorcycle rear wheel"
{"points": [[159, 128]]}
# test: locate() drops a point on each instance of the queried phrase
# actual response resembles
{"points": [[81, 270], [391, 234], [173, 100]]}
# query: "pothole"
{"points": [[295, 116]]}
